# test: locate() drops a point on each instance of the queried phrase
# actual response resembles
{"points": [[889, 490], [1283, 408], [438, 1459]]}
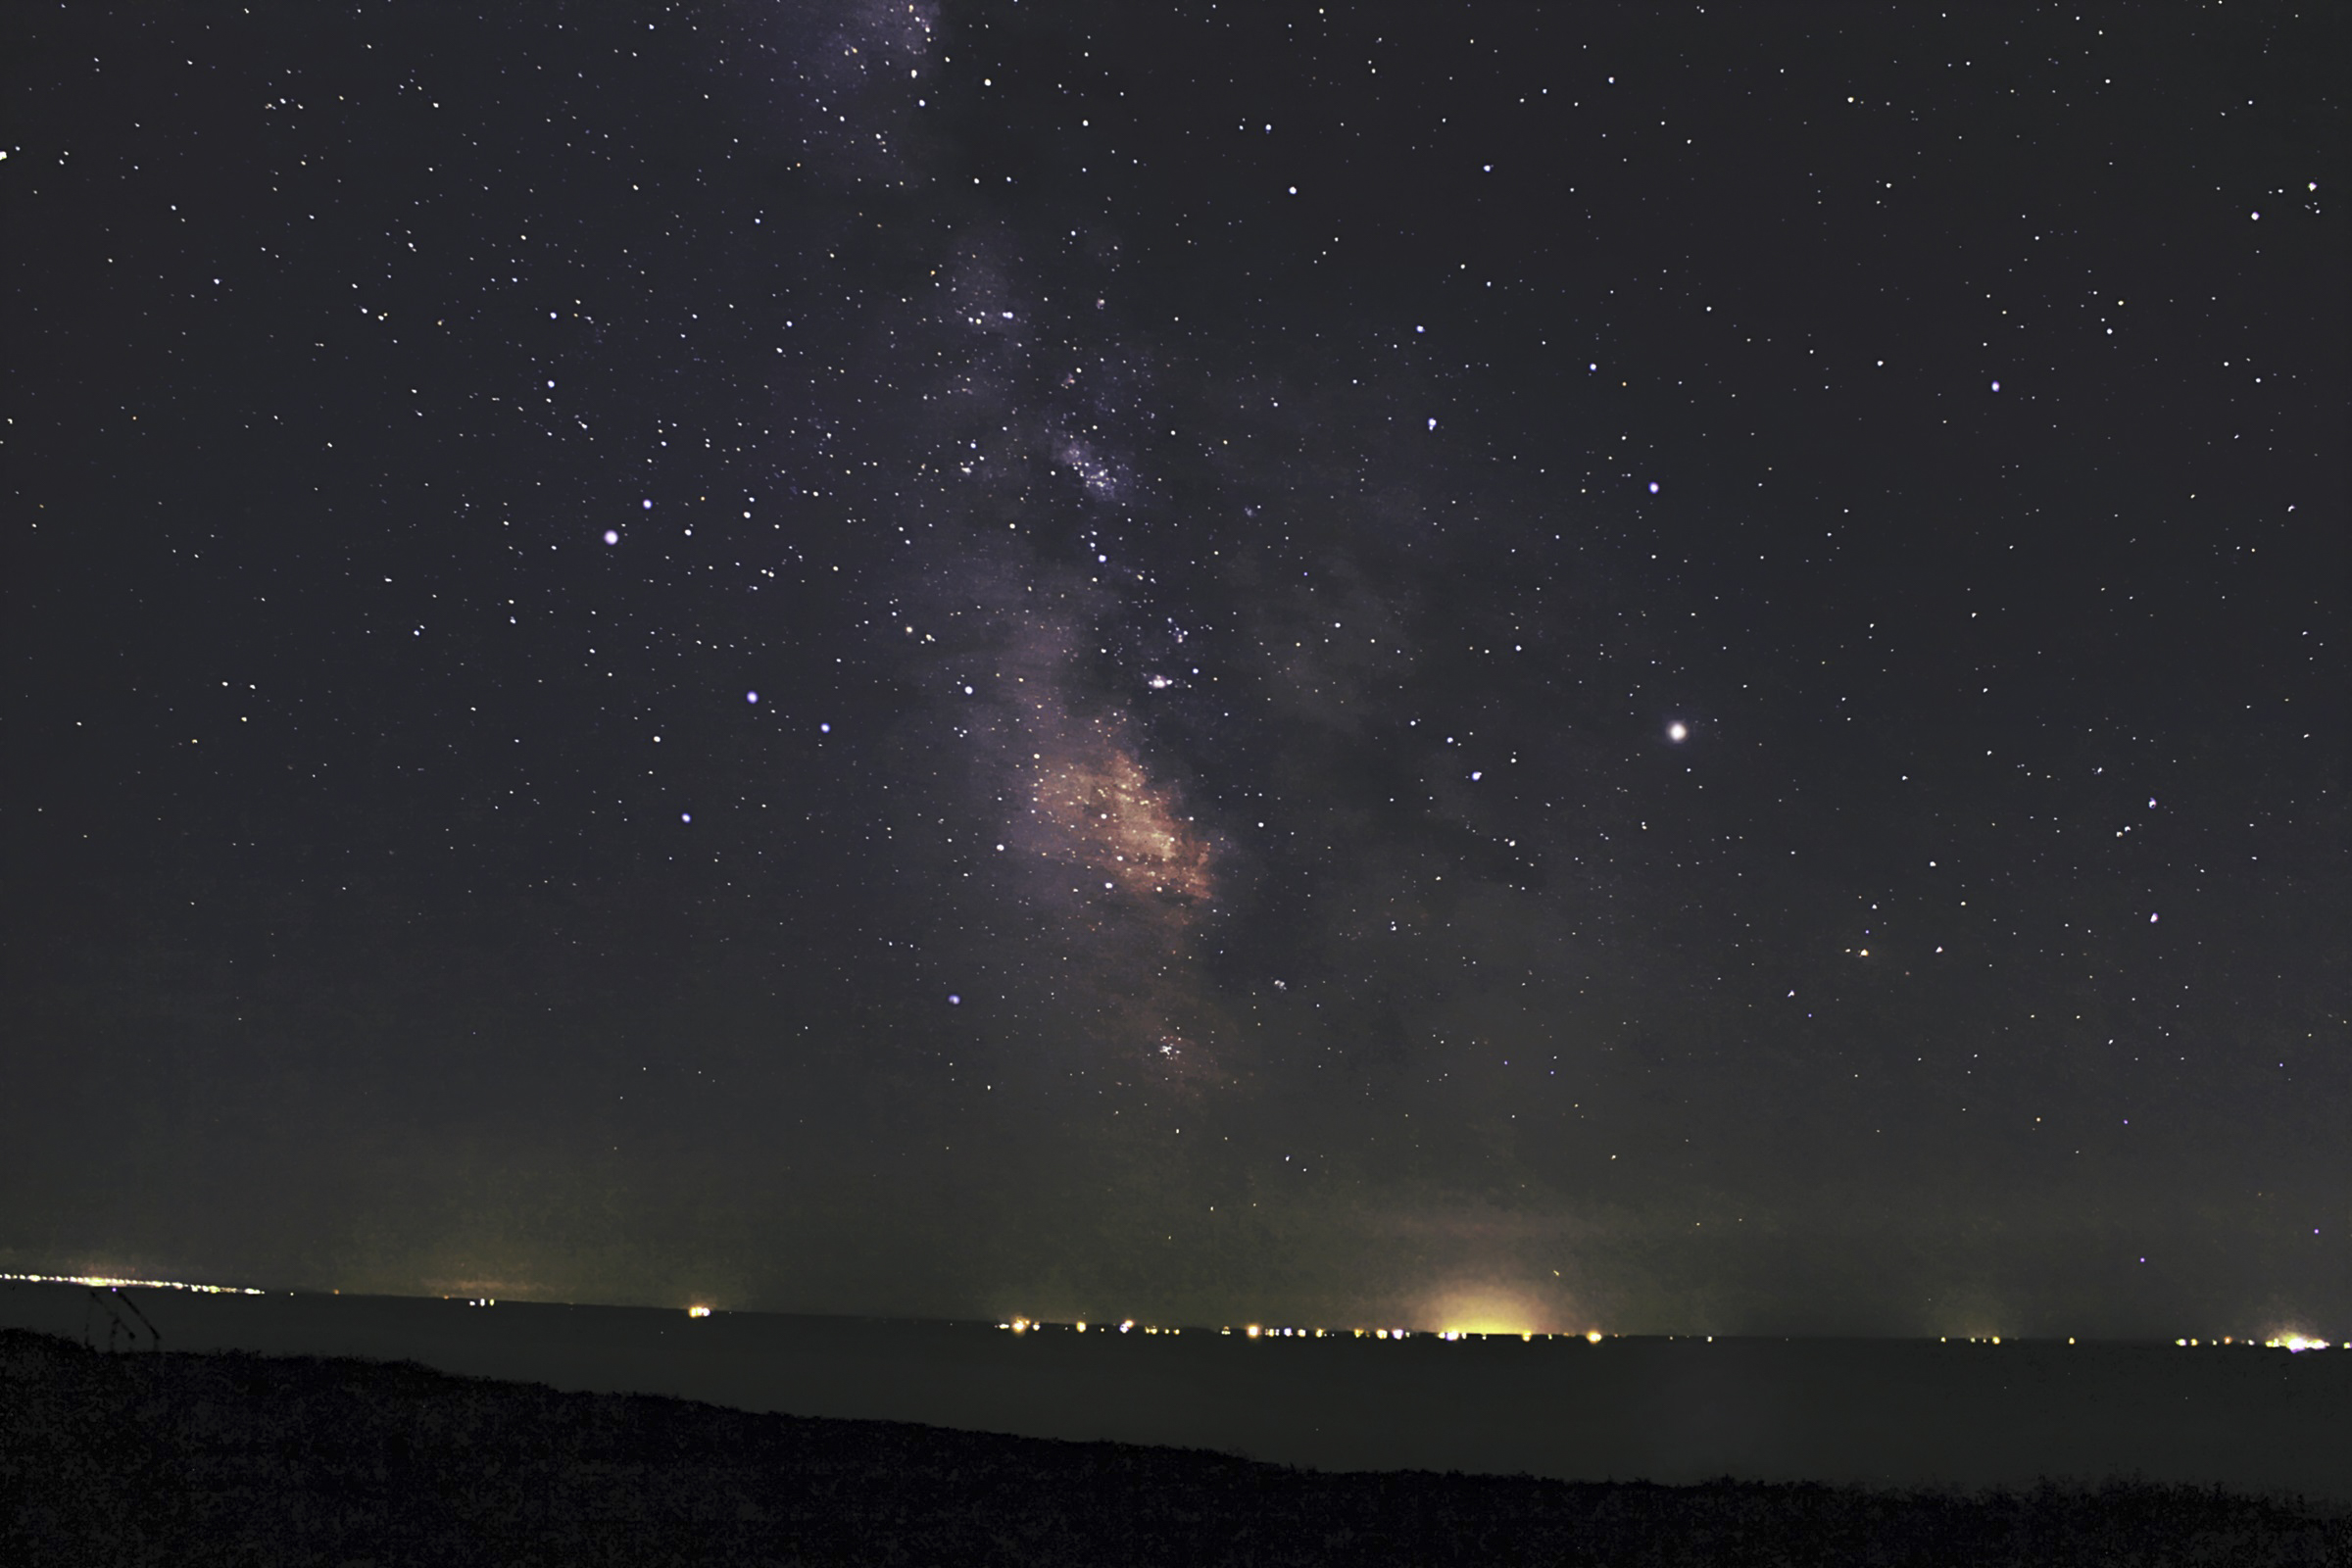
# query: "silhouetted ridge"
{"points": [[182, 1458]]}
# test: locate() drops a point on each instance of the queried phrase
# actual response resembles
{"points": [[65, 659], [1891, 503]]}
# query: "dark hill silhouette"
{"points": [[178, 1458]]}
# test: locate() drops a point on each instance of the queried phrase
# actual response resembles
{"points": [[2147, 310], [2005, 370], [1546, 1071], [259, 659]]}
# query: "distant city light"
{"points": [[697, 1311], [2293, 1343], [146, 1285]]}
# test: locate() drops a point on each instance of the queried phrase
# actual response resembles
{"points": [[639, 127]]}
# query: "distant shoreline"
{"points": [[1885, 1415]]}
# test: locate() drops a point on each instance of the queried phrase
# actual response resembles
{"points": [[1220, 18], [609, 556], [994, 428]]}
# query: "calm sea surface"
{"points": [[1890, 1412]]}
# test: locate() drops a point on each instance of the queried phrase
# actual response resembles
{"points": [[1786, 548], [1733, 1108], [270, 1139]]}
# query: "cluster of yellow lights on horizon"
{"points": [[2296, 1342], [1259, 1331], [1030, 1325], [148, 1285]]}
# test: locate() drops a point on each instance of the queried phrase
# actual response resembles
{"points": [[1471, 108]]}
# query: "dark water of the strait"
{"points": [[1881, 1412]]}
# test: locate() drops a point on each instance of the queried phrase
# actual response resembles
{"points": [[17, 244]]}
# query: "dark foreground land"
{"points": [[228, 1457]]}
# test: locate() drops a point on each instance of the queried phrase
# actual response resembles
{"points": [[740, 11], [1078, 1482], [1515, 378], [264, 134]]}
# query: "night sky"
{"points": [[1659, 668]]}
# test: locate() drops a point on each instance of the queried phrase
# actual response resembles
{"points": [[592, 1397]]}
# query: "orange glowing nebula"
{"points": [[1102, 810]]}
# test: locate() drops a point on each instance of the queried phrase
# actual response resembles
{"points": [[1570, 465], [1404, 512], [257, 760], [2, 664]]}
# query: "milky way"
{"points": [[1406, 666]]}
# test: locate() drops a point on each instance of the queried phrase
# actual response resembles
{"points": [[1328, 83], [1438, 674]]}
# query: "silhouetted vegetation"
{"points": [[185, 1458]]}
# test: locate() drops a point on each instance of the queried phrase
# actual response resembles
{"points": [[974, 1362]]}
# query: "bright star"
{"points": [[1677, 730]]}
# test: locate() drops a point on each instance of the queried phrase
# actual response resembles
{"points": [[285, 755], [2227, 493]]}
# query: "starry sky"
{"points": [[1663, 669]]}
